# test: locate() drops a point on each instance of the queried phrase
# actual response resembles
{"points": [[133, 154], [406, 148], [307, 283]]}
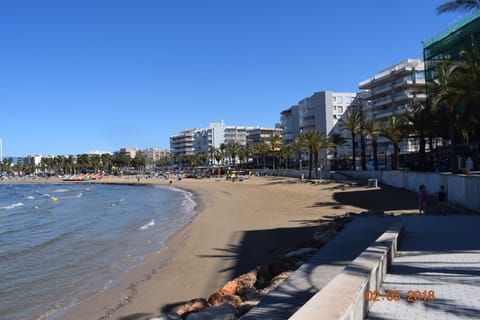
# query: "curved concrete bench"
{"points": [[344, 296]]}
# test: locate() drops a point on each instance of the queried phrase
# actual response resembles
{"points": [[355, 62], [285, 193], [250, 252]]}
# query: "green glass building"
{"points": [[448, 44]]}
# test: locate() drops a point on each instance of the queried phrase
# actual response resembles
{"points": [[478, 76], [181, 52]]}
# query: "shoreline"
{"points": [[236, 227]]}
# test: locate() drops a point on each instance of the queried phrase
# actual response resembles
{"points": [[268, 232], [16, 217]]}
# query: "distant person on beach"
{"points": [[441, 199], [422, 199]]}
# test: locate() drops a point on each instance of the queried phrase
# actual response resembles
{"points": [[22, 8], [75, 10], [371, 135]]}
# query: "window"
{"points": [[340, 109]]}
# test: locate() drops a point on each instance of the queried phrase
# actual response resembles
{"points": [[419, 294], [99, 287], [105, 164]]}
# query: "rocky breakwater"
{"points": [[241, 294]]}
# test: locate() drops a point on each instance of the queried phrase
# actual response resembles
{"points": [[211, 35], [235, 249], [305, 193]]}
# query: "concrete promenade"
{"points": [[327, 263], [438, 256]]}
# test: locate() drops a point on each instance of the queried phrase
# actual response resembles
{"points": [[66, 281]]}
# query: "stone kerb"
{"points": [[344, 297]]}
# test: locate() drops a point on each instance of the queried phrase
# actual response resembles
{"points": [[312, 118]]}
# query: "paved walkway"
{"points": [[330, 260], [440, 254]]}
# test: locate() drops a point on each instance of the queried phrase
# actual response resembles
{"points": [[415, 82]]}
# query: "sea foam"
{"points": [[12, 206]]}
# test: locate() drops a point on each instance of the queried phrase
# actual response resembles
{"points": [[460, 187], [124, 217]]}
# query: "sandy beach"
{"points": [[239, 225]]}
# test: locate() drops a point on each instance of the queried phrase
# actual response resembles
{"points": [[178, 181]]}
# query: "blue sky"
{"points": [[83, 75]]}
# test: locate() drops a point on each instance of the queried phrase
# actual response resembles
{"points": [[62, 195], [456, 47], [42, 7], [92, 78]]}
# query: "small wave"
{"points": [[61, 190], [18, 204], [29, 197], [151, 223]]}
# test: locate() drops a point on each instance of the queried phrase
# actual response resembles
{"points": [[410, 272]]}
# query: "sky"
{"points": [[83, 75]]}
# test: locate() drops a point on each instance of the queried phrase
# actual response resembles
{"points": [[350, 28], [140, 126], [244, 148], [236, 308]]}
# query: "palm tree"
{"points": [[395, 130], [420, 122], [286, 151], [448, 91], [458, 5], [275, 141], [314, 141], [223, 146], [352, 123], [232, 150], [262, 149], [336, 140], [211, 153], [372, 129]]}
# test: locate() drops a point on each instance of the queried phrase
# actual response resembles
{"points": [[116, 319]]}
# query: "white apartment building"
{"points": [[392, 92], [322, 110], [257, 135], [290, 124], [183, 143], [195, 141]]}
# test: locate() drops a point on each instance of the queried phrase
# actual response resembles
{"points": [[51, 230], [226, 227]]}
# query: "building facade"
{"points": [[183, 143], [447, 45], [290, 124], [258, 135], [393, 91], [194, 141]]}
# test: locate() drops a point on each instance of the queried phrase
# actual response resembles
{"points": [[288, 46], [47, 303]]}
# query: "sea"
{"points": [[62, 243]]}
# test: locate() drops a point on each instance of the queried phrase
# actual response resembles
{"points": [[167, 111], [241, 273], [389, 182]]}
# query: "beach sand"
{"points": [[239, 225]]}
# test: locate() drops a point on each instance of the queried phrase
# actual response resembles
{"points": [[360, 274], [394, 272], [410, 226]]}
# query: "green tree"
{"points": [[448, 91], [352, 123], [211, 153], [372, 129], [314, 142], [274, 141], [286, 152], [394, 130], [458, 5], [262, 149], [336, 140]]}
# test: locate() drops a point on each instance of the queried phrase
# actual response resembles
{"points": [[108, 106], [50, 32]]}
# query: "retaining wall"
{"points": [[463, 190]]}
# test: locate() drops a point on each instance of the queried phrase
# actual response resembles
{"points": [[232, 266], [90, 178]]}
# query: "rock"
{"points": [[231, 288], [223, 312], [300, 252], [230, 299], [173, 316], [249, 294], [246, 306], [193, 305], [276, 281], [248, 279]]}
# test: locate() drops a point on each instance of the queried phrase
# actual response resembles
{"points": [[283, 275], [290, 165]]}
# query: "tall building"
{"points": [[322, 110], [130, 152], [194, 141], [257, 135], [290, 124], [392, 92], [447, 45], [183, 143]]}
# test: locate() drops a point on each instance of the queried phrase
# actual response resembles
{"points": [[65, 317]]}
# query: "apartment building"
{"points": [[195, 141], [447, 45], [259, 134], [322, 110], [129, 152], [183, 143], [290, 124], [392, 92]]}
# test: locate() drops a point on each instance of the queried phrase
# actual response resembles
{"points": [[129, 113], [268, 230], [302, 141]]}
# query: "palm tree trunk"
{"points": [[353, 151], [453, 149], [310, 164], [396, 149], [375, 158]]}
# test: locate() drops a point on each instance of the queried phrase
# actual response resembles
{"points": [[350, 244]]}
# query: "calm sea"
{"points": [[61, 243]]}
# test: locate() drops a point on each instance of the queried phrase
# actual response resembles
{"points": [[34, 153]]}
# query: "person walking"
{"points": [[422, 199], [441, 200]]}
